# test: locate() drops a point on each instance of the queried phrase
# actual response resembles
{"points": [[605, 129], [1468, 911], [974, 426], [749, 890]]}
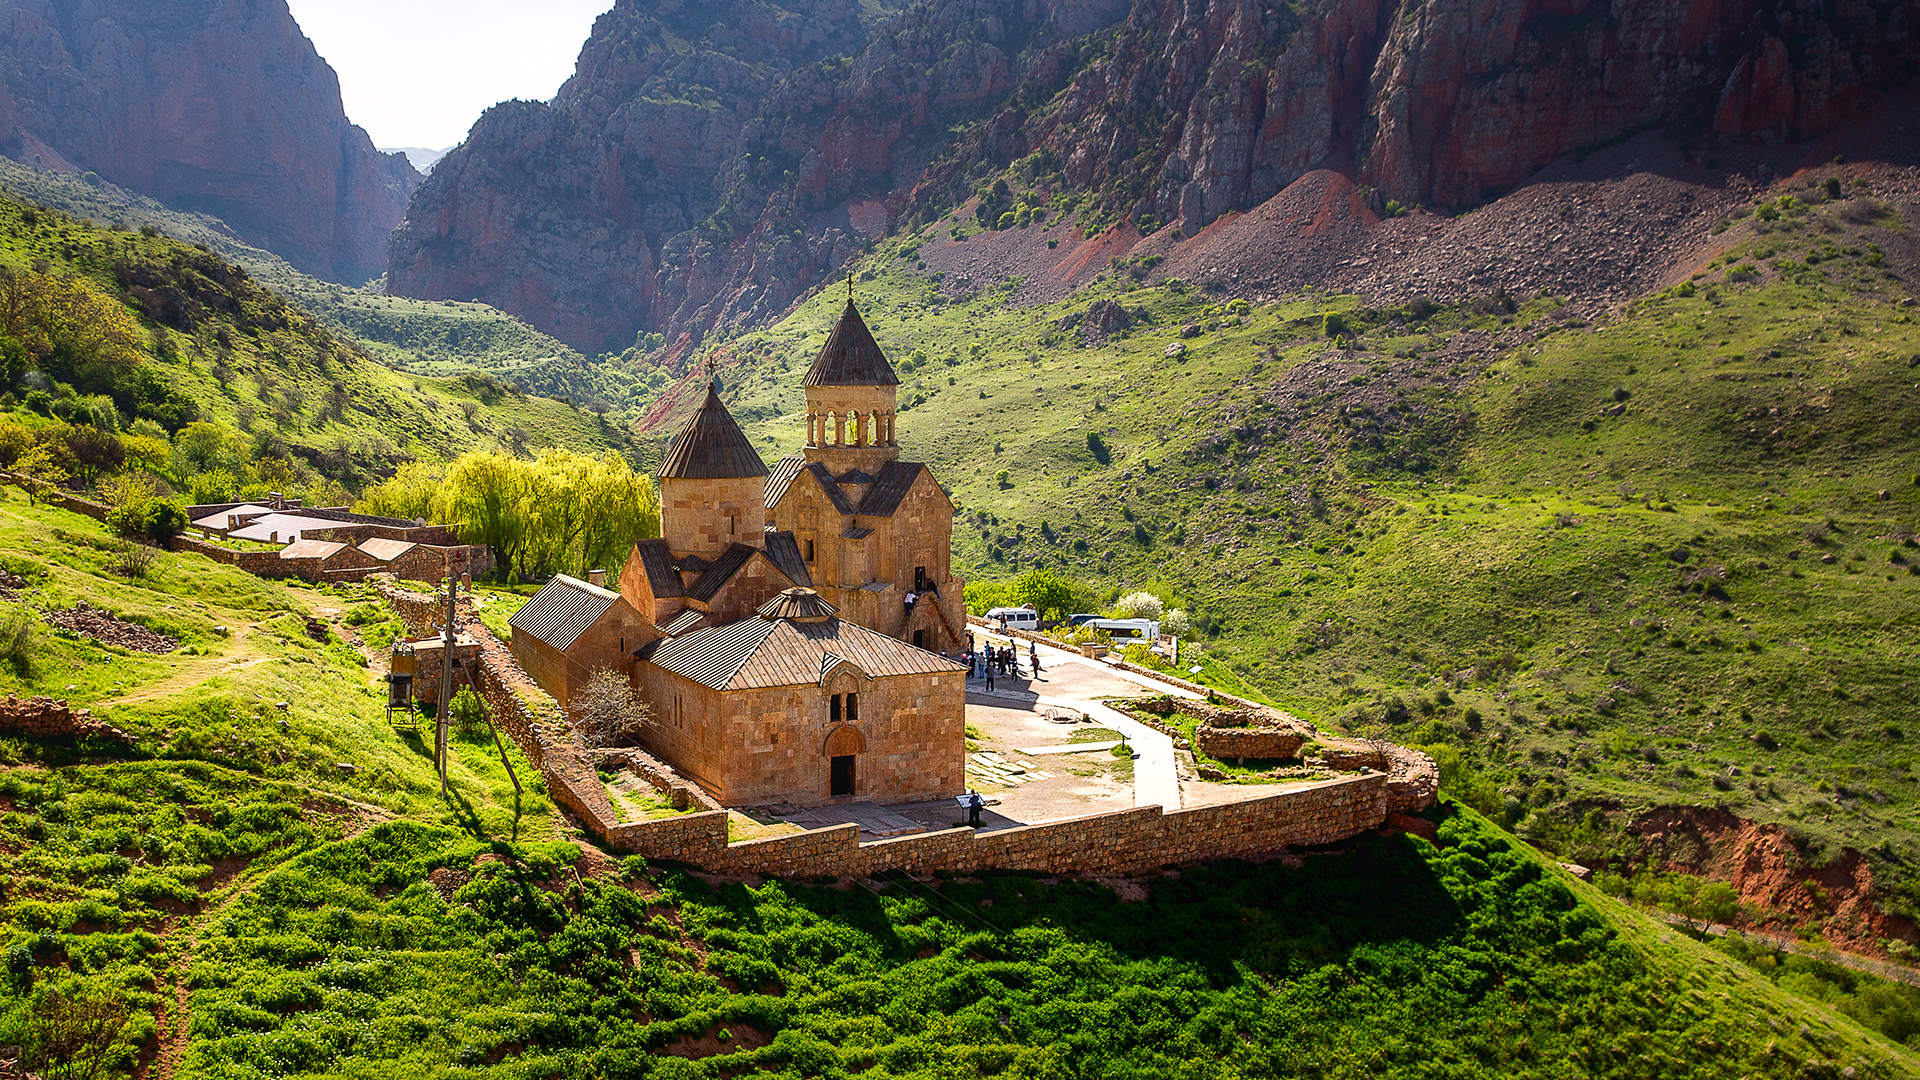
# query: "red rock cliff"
{"points": [[678, 188], [219, 106]]}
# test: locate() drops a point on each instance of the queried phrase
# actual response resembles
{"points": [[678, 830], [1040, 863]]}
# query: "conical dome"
{"points": [[711, 447], [800, 605], [851, 357]]}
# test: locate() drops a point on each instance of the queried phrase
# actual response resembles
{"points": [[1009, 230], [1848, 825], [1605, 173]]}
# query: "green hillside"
{"points": [[1609, 560], [185, 337], [312, 919], [430, 338]]}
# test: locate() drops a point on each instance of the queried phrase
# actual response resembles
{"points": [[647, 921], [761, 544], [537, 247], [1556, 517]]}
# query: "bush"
{"points": [[1177, 624], [134, 560], [141, 510], [19, 627], [607, 712], [1335, 325], [468, 712], [1139, 605]]}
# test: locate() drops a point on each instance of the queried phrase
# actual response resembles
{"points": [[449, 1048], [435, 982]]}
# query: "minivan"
{"points": [[1147, 630], [1015, 618]]}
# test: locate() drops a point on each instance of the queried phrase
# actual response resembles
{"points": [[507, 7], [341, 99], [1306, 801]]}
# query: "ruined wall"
{"points": [[45, 718], [1228, 743]]}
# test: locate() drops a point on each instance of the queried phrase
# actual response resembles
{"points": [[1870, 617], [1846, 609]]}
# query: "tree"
{"points": [[418, 490], [467, 711], [94, 452], [1046, 592], [607, 712], [15, 440], [486, 492], [1177, 624], [1139, 605], [72, 1034]]}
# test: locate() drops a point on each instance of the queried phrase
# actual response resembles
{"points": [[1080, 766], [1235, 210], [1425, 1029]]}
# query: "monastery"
{"points": [[769, 628]]}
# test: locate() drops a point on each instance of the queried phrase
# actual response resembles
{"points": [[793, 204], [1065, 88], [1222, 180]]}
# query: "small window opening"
{"points": [[853, 708], [833, 709]]}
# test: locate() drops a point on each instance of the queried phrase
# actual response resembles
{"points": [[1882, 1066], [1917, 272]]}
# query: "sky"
{"points": [[420, 72]]}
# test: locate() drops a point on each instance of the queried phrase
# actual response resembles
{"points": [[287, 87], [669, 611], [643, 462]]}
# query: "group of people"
{"points": [[988, 662]]}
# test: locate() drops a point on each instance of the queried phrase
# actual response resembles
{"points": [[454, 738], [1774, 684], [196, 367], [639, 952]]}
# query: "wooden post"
{"points": [[446, 681]]}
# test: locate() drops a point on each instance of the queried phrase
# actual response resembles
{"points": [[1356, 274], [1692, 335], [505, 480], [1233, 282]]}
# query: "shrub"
{"points": [[468, 712], [607, 711], [1177, 624], [1335, 325], [19, 627], [1139, 605], [134, 560]]}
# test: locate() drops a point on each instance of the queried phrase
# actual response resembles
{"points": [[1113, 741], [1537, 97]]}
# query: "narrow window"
{"points": [[833, 709], [853, 708], [809, 551]]}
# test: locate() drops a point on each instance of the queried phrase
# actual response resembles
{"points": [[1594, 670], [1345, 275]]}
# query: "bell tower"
{"points": [[852, 395]]}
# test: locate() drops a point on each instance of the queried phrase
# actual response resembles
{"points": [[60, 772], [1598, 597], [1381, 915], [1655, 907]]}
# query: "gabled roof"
{"points": [[781, 478], [851, 357], [561, 612], [784, 550], [730, 562], [663, 577], [387, 550], [311, 549], [884, 497], [711, 447], [683, 622], [760, 653]]}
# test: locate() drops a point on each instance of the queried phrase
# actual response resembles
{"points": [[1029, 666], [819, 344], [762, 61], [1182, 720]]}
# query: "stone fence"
{"points": [[57, 496], [45, 718], [1129, 841]]}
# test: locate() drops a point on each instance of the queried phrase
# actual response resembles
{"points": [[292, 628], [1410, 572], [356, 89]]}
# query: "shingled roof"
{"points": [[851, 357], [561, 612], [711, 447], [759, 653]]}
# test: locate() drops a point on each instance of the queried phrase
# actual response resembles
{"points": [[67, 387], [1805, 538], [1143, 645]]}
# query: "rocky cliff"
{"points": [[217, 106], [709, 168]]}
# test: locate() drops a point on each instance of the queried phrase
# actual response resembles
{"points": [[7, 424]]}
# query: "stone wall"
{"points": [[1129, 841], [58, 496], [1232, 743], [45, 718]]}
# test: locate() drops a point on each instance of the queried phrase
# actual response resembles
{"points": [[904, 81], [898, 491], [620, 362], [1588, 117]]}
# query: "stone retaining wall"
{"points": [[58, 496], [45, 718]]}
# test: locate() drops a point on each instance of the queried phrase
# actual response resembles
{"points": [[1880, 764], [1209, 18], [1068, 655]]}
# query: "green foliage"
{"points": [[1396, 959], [468, 713]]}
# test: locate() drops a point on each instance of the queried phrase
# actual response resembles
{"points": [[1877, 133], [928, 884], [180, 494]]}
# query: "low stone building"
{"points": [[801, 707], [570, 629]]}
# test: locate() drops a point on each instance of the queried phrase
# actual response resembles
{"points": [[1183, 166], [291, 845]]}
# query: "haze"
{"points": [[420, 72]]}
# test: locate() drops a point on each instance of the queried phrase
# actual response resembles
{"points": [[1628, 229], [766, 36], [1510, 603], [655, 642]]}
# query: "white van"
{"points": [[1015, 618], [1147, 630]]}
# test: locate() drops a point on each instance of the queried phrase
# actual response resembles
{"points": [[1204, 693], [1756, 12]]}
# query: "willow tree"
{"points": [[563, 512]]}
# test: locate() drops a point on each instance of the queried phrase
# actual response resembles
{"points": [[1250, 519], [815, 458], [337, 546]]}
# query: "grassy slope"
{"points": [[434, 338], [1449, 503], [110, 853], [252, 372], [1394, 959]]}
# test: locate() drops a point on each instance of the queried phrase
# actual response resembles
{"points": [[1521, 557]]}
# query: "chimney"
{"points": [[273, 538], [597, 578], [278, 500]]}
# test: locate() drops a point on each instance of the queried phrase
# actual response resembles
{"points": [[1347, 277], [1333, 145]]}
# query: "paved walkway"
{"points": [[1070, 681]]}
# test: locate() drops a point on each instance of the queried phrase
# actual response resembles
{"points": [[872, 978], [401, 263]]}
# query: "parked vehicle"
{"points": [[1147, 630], [1076, 620], [1015, 618]]}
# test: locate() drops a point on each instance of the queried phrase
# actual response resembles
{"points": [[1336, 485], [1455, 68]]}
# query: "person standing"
{"points": [[1033, 657], [975, 804], [989, 668]]}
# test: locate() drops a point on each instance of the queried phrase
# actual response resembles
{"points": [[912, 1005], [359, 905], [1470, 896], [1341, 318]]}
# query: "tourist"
{"points": [[912, 599], [1033, 656], [975, 804]]}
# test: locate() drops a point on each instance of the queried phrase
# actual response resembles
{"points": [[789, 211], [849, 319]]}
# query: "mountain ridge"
{"points": [[1159, 114], [215, 106]]}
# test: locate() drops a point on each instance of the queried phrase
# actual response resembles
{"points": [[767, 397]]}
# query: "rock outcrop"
{"points": [[709, 168], [214, 106]]}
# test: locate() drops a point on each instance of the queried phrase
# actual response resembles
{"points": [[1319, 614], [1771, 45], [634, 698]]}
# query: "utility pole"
{"points": [[446, 681]]}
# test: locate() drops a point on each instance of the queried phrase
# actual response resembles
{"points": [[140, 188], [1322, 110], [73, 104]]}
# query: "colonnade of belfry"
{"points": [[852, 428]]}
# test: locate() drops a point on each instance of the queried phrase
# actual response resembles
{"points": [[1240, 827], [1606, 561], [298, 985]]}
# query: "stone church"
{"points": [[769, 627]]}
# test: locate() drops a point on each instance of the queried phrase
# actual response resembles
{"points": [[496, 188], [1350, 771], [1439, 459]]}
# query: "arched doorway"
{"points": [[844, 746]]}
